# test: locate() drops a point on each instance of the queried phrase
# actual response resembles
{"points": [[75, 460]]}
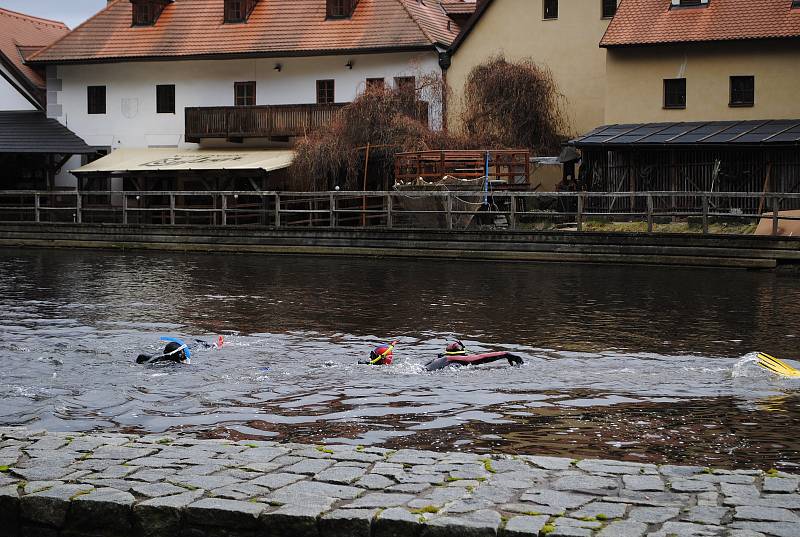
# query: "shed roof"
{"points": [[649, 22], [32, 132], [196, 28], [781, 132]]}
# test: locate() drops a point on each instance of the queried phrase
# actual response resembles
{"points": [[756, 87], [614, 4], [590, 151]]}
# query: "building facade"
{"points": [[560, 35], [678, 60], [189, 74]]}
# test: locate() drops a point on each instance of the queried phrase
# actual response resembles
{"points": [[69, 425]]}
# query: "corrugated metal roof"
{"points": [[33, 132], [647, 22], [192, 28], [695, 134]]}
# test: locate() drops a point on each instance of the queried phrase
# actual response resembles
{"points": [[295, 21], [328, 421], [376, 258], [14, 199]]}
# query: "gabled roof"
{"points": [[19, 35], [33, 132], [195, 29], [699, 134], [648, 22]]}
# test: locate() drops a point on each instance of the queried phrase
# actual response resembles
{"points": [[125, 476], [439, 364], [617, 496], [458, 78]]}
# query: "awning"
{"points": [[173, 160], [33, 132]]}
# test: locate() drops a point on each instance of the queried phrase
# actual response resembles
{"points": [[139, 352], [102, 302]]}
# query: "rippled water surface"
{"points": [[639, 363]]}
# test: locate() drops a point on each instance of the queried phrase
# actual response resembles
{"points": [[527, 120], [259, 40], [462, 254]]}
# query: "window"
{"points": [[238, 10], [743, 91], [165, 99], [96, 97], [325, 92], [234, 11], [795, 4], [689, 3], [340, 9], [406, 84], [675, 93], [146, 12], [244, 94], [609, 8], [550, 9], [376, 84]]}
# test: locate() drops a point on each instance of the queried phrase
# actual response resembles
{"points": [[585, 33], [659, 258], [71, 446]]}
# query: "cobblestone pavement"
{"points": [[118, 485]]}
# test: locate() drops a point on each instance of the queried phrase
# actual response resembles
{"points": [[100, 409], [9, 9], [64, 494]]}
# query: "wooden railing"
{"points": [[239, 122], [650, 212]]}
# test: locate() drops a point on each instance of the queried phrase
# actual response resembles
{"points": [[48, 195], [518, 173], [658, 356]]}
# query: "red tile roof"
{"points": [[645, 22], [195, 28], [19, 34]]}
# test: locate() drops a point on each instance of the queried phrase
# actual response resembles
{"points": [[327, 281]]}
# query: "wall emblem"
{"points": [[130, 108]]}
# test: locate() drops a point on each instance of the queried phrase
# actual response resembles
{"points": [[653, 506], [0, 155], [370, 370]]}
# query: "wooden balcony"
{"points": [[236, 123]]}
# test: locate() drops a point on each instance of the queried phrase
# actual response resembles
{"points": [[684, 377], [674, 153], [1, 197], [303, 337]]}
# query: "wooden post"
{"points": [[78, 216], [332, 208], [579, 215], [124, 209], [277, 210], [765, 189], [172, 209], [364, 198], [776, 207], [224, 206], [705, 213], [37, 203], [449, 206], [389, 216], [513, 216], [649, 212]]}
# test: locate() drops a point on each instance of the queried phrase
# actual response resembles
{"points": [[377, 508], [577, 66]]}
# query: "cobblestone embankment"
{"points": [[125, 485]]}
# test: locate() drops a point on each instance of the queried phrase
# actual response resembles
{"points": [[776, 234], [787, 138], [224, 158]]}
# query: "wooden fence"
{"points": [[441, 210]]}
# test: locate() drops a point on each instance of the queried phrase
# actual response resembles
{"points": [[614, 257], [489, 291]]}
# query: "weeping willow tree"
{"points": [[381, 121], [514, 104]]}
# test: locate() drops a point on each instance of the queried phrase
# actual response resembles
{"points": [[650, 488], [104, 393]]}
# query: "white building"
{"points": [[193, 74]]}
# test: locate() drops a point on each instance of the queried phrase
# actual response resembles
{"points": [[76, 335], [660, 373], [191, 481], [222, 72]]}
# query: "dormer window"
{"points": [[689, 3], [146, 12], [238, 10], [341, 9]]}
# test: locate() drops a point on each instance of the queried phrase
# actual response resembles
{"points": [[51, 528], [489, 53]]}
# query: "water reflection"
{"points": [[628, 362]]}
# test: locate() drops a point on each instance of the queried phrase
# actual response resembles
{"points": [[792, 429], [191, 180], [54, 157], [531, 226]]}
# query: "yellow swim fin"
{"points": [[778, 367]]}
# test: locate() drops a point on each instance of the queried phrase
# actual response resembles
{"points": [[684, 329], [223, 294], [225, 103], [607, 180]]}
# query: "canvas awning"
{"points": [[176, 160]]}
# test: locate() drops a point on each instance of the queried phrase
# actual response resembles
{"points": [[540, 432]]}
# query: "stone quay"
{"points": [[120, 485]]}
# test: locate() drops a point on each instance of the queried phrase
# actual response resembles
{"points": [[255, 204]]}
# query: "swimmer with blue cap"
{"points": [[177, 351]]}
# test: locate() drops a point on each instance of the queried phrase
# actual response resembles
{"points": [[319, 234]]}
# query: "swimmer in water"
{"points": [[176, 351], [381, 355]]}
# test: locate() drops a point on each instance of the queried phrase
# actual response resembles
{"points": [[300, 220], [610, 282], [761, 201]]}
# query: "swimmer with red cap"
{"points": [[381, 355]]}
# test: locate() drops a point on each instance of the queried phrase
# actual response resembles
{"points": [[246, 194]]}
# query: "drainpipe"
{"points": [[444, 63]]}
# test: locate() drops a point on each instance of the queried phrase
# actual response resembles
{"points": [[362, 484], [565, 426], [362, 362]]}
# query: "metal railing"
{"points": [[651, 212]]}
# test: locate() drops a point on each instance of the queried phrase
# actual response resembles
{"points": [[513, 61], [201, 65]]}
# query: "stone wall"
{"points": [[73, 485]]}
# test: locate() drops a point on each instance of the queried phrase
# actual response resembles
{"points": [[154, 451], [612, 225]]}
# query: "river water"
{"points": [[636, 363]]}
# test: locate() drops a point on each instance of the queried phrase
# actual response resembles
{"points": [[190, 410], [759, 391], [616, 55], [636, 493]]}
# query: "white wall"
{"points": [[10, 98], [131, 86]]}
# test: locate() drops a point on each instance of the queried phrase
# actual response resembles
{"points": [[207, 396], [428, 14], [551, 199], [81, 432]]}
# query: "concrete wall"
{"points": [[569, 46], [635, 81], [131, 119], [10, 98]]}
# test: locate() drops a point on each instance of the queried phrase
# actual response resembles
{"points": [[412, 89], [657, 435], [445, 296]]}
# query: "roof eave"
{"points": [[698, 41], [238, 55]]}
